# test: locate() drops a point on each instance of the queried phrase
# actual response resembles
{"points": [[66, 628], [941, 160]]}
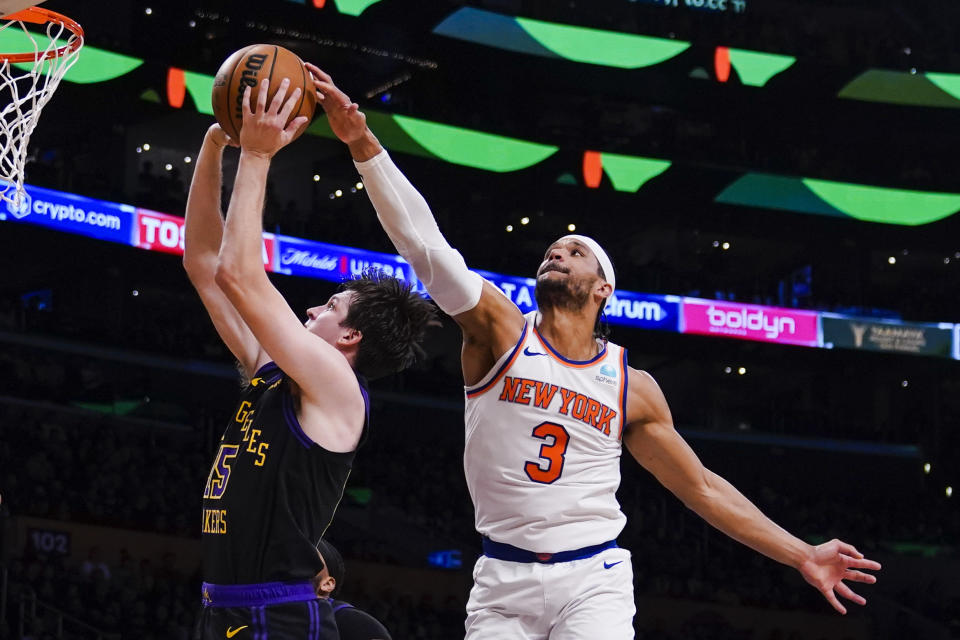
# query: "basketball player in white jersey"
{"points": [[548, 406]]}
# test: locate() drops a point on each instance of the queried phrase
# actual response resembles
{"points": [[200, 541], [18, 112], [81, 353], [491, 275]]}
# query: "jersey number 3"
{"points": [[553, 453]]}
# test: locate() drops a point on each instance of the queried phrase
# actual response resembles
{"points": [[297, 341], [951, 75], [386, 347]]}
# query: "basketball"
{"points": [[246, 68]]}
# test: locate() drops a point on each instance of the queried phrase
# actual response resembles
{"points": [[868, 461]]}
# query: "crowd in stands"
{"points": [[85, 467]]}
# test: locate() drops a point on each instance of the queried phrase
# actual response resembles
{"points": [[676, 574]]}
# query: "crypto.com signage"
{"points": [[71, 213], [750, 322]]}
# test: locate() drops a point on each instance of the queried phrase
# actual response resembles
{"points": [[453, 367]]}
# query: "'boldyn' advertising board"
{"points": [[750, 322]]}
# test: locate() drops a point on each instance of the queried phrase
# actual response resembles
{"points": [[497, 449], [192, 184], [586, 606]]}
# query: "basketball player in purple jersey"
{"points": [[285, 456], [548, 405]]}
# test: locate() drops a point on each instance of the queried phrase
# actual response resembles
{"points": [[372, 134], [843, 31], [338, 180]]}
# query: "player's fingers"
{"points": [[330, 90], [863, 563], [290, 104], [859, 576], [278, 97], [246, 101], [849, 549], [849, 594], [832, 599], [262, 96], [295, 125], [230, 142], [318, 72]]}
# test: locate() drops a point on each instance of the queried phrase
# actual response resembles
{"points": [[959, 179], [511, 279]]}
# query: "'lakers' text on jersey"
{"points": [[543, 444], [271, 491]]}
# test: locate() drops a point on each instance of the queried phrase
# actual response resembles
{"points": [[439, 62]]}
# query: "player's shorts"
{"points": [[522, 595], [267, 611]]}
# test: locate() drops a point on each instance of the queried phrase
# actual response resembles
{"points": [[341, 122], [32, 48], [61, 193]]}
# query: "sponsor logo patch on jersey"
{"points": [[527, 352], [608, 375]]}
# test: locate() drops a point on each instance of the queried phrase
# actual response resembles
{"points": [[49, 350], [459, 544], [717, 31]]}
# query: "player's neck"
{"points": [[570, 333]]}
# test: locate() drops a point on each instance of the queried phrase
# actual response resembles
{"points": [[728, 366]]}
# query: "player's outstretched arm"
{"points": [[204, 232], [491, 323], [652, 439], [326, 381]]}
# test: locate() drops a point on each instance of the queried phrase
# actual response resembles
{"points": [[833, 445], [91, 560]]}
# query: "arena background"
{"points": [[743, 161]]}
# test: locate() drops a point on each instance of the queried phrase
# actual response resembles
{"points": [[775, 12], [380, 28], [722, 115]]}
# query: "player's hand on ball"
{"points": [[346, 120], [219, 137], [265, 130]]}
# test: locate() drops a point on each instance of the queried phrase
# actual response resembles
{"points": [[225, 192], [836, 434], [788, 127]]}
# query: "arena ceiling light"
{"points": [[825, 197], [555, 40], [632, 51], [754, 68], [600, 47], [500, 154], [626, 173], [902, 87]]}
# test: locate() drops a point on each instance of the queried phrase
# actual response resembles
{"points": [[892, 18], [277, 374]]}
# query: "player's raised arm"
{"points": [[654, 442], [323, 374], [204, 232], [491, 323]]}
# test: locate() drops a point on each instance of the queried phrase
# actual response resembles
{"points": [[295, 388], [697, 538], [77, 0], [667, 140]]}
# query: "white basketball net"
{"points": [[24, 90]]}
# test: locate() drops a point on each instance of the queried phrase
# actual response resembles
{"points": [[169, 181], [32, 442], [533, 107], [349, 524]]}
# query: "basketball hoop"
{"points": [[28, 79]]}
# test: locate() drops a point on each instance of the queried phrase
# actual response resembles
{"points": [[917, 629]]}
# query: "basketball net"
{"points": [[27, 82]]}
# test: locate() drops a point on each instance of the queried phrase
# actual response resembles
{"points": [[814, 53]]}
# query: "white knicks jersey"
{"points": [[543, 443]]}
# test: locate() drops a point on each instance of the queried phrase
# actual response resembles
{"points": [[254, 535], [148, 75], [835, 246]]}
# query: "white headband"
{"points": [[605, 265]]}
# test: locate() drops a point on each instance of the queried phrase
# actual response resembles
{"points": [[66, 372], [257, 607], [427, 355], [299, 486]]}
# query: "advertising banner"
{"points": [[72, 213], [868, 334], [518, 290], [750, 322], [307, 258], [156, 231], [644, 310]]}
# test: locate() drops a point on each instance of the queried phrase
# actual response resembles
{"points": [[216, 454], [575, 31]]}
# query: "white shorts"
{"points": [[589, 598]]}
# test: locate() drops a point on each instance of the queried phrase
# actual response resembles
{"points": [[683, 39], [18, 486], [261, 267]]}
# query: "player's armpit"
{"points": [[490, 329]]}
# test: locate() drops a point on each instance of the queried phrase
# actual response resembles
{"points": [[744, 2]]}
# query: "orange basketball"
{"points": [[247, 67]]}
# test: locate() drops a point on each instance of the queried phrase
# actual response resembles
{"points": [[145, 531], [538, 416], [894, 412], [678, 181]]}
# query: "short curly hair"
{"points": [[392, 319]]}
